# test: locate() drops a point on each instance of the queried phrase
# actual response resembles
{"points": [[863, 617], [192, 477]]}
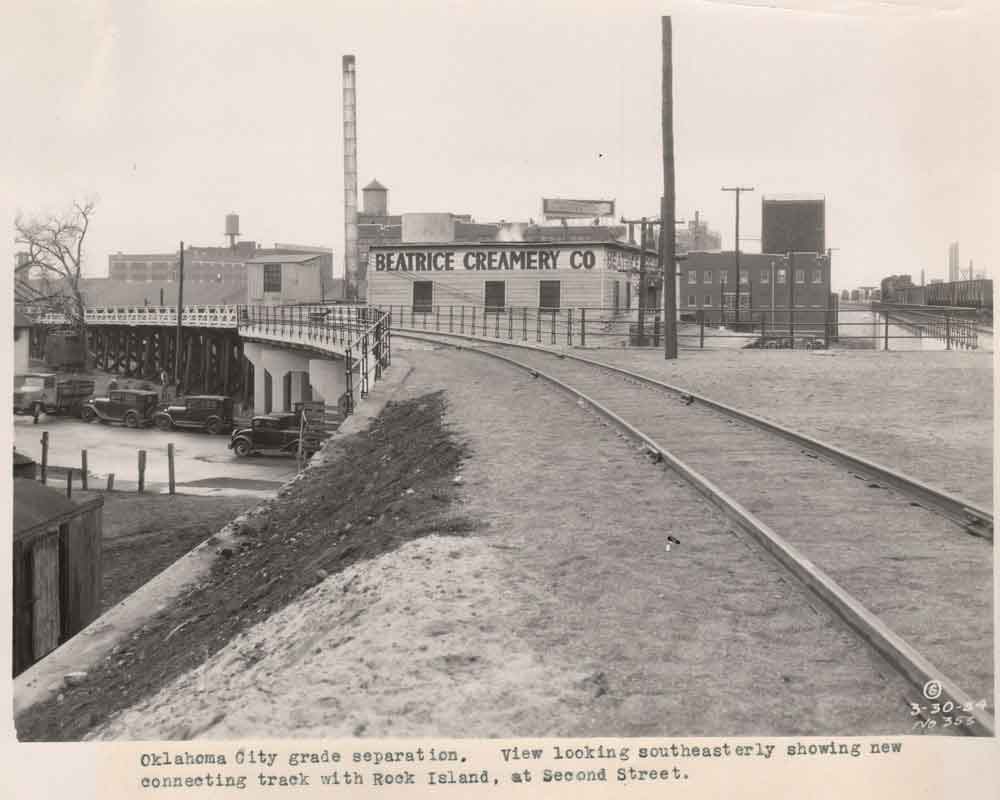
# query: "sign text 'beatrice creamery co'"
{"points": [[499, 258]]}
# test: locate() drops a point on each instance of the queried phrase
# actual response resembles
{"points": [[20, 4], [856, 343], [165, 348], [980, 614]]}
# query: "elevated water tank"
{"points": [[376, 199], [232, 224]]}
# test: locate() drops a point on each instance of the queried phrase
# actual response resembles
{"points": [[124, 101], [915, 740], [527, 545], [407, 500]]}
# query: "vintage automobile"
{"points": [[269, 433], [44, 391], [134, 407], [206, 412]]}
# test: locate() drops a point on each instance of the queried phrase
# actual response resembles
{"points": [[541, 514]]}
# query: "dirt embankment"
{"points": [[145, 534], [344, 511]]}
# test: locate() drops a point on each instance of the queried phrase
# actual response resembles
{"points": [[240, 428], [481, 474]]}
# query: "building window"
{"points": [[817, 276], [724, 277], [708, 301], [744, 276], [691, 300], [548, 294], [800, 276], [692, 276], [765, 276], [272, 277], [781, 276], [495, 295], [423, 297], [706, 276]]}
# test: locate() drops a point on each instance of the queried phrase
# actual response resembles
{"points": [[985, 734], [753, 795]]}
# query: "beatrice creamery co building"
{"points": [[502, 275]]}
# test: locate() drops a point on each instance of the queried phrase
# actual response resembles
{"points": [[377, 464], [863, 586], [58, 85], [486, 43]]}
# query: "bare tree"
{"points": [[50, 262]]}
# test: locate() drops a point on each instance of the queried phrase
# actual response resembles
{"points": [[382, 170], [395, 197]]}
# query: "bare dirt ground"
{"points": [[928, 414], [145, 534], [536, 597]]}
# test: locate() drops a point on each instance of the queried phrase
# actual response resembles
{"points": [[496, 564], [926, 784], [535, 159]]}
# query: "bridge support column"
{"points": [[327, 377], [279, 363], [254, 353]]}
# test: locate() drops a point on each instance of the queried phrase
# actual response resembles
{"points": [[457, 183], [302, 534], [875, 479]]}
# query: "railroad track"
{"points": [[889, 555]]}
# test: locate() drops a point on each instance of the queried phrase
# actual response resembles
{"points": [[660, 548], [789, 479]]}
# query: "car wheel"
{"points": [[242, 448], [213, 426], [164, 423], [88, 414], [132, 419]]}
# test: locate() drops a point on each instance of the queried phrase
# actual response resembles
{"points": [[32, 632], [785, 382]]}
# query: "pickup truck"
{"points": [[44, 391]]}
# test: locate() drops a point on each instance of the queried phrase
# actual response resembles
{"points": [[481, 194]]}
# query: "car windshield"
{"points": [[28, 382]]}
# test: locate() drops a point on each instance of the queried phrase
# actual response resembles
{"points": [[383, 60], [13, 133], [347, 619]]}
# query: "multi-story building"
{"points": [[769, 283]]}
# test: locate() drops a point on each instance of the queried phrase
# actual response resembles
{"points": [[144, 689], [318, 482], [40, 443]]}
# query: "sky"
{"points": [[173, 114]]}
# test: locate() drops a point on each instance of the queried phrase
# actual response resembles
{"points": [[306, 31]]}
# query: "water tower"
{"points": [[232, 229]]}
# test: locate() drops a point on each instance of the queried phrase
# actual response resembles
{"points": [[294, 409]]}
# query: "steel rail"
{"points": [[972, 518], [901, 656]]}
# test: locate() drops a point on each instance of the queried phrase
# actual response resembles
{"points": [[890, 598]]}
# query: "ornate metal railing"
{"points": [[223, 316], [369, 353]]}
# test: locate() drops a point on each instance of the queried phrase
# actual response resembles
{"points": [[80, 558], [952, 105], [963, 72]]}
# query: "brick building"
{"points": [[707, 283]]}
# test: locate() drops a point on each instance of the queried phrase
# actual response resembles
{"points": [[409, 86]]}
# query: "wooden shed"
{"points": [[57, 569], [24, 466]]}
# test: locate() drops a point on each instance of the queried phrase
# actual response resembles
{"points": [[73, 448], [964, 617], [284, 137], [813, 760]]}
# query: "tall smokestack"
{"points": [[350, 180]]}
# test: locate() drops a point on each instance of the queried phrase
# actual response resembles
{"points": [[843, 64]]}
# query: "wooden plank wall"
{"points": [[80, 572], [22, 608], [57, 586], [45, 625]]}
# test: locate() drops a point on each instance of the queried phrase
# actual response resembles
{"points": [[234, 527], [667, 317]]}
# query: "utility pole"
{"points": [[736, 244], [180, 311], [645, 224], [667, 212]]}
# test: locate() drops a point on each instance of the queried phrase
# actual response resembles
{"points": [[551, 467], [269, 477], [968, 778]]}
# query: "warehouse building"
{"points": [[497, 276]]}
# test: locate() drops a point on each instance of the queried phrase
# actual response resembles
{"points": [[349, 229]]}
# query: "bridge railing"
{"points": [[358, 334], [368, 354], [205, 316]]}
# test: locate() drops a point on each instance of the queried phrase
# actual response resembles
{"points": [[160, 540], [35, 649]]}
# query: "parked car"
{"points": [[206, 412], [134, 407], [44, 391], [269, 433]]}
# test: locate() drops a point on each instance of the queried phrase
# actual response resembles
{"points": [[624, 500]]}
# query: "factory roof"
{"points": [[285, 258], [794, 198]]}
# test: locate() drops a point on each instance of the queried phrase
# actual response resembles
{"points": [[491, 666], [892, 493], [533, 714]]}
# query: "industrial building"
{"points": [[708, 284], [284, 279], [225, 269], [420, 276]]}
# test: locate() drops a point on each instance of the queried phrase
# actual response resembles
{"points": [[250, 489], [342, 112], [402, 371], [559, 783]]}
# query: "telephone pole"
{"points": [[645, 224], [667, 210], [180, 312], [737, 189]]}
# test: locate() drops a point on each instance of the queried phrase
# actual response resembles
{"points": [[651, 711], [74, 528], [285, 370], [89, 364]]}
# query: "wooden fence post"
{"points": [[170, 467], [69, 482], [83, 470], [142, 470], [45, 455], [111, 481]]}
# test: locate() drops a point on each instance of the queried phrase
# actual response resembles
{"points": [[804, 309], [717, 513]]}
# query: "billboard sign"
{"points": [[558, 208]]}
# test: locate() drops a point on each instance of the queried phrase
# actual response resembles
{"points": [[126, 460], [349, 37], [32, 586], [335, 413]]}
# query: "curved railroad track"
{"points": [[891, 556]]}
